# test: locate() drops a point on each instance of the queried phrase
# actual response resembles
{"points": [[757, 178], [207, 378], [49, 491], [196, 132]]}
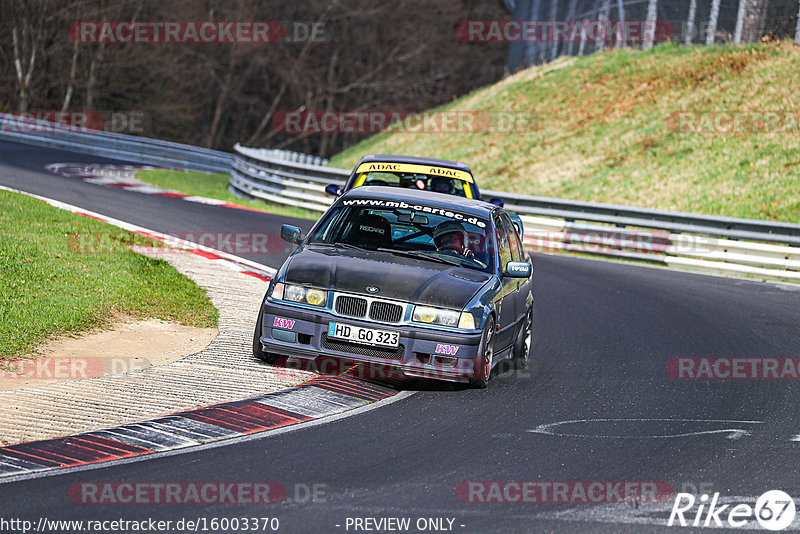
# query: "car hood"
{"points": [[396, 277]]}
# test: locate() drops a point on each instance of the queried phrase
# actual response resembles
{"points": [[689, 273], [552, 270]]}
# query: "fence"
{"points": [[723, 245], [681, 21]]}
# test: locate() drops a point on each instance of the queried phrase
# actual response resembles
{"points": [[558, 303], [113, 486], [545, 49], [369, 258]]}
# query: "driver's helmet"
{"points": [[443, 233], [442, 184]]}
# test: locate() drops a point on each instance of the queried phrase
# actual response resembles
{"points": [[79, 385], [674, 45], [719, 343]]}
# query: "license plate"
{"points": [[366, 336]]}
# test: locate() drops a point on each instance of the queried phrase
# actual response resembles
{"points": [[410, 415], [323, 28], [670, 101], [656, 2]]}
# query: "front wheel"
{"points": [[258, 350], [483, 364]]}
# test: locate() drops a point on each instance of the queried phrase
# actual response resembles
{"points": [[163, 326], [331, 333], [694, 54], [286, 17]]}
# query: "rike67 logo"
{"points": [[774, 510]]}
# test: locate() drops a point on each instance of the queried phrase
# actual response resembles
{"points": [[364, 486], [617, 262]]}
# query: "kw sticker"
{"points": [[450, 350], [280, 322]]}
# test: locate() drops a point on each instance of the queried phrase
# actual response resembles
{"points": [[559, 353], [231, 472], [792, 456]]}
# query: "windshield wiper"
{"points": [[423, 255], [351, 247], [339, 245]]}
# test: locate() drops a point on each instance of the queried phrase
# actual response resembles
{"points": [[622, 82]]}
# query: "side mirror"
{"points": [[291, 234], [497, 201], [519, 269], [333, 189]]}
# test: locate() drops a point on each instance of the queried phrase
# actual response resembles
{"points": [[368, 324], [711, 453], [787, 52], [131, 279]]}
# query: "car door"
{"points": [[505, 301], [522, 295]]}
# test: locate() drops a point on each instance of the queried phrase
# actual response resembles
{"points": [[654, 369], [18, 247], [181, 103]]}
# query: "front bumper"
{"points": [[423, 352]]}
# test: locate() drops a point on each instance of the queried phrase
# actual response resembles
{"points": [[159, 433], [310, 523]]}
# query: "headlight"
{"points": [[425, 314], [307, 295]]}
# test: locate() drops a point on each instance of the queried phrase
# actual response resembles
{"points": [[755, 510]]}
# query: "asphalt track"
{"points": [[603, 334]]}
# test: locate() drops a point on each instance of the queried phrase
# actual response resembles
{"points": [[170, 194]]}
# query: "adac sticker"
{"points": [[286, 324], [417, 169]]}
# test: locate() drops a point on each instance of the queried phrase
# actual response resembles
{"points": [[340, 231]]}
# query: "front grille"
{"points": [[385, 312], [363, 350], [351, 306]]}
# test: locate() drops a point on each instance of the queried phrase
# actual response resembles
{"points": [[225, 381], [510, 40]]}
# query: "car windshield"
{"points": [[424, 232]]}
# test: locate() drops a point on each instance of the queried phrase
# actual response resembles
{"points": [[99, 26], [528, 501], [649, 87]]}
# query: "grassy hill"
{"points": [[605, 129]]}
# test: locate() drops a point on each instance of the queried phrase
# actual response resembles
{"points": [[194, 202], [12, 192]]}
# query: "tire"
{"points": [[486, 357], [258, 351], [522, 347]]}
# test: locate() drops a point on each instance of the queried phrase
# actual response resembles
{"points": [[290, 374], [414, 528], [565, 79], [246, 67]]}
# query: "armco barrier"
{"points": [[723, 245], [127, 147]]}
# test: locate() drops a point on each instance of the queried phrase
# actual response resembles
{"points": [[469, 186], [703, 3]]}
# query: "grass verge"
{"points": [[603, 128], [213, 186], [55, 279]]}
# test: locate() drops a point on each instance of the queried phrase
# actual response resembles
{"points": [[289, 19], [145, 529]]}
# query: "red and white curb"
{"points": [[124, 177], [321, 397]]}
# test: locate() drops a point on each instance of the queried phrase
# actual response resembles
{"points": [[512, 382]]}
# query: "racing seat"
{"points": [[370, 231]]}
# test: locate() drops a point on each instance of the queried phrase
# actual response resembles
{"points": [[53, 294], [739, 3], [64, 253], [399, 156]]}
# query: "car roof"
{"points": [[389, 158], [471, 206]]}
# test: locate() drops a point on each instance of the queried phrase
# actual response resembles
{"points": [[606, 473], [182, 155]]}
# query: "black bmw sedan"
{"points": [[417, 283]]}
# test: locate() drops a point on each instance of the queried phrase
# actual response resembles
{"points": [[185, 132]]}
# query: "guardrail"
{"points": [[128, 147], [723, 245], [283, 178]]}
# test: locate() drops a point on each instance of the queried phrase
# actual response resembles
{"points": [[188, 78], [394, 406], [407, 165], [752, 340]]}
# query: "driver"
{"points": [[442, 184], [451, 235]]}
